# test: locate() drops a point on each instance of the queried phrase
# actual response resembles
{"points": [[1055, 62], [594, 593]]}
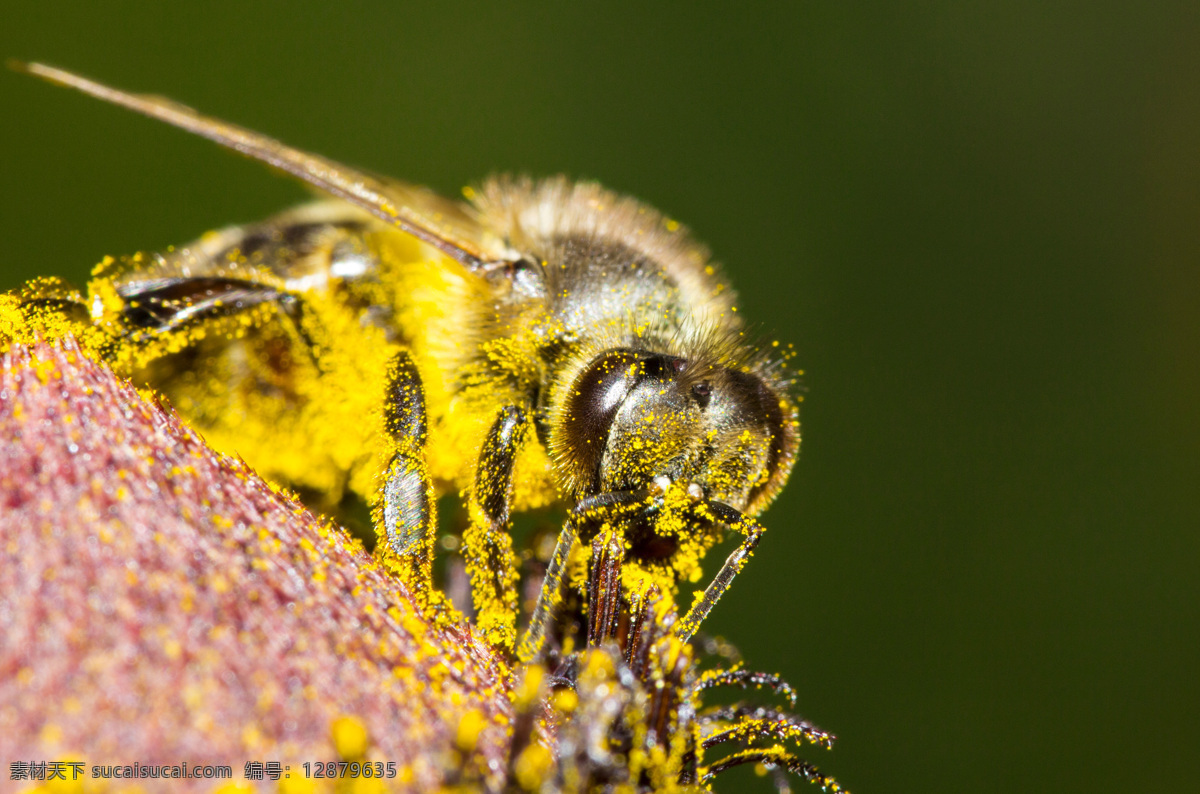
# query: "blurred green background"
{"points": [[977, 222]]}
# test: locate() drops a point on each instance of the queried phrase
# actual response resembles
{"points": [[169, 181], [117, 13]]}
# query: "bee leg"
{"points": [[549, 597], [406, 517], [487, 545], [587, 511], [734, 564]]}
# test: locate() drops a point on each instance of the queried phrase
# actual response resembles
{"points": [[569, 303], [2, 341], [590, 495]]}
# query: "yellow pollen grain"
{"points": [[350, 737], [471, 725]]}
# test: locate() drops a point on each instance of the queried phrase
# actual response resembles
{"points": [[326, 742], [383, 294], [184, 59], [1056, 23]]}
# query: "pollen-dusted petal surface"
{"points": [[160, 604]]}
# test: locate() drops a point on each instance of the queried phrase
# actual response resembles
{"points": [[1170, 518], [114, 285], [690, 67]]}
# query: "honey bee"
{"points": [[541, 343]]}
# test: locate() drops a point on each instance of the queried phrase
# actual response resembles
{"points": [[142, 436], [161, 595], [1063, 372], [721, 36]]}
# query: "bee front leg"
{"points": [[487, 544], [610, 506], [406, 515], [734, 564], [548, 599]]}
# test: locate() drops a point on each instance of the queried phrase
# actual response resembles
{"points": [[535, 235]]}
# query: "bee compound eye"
{"points": [[599, 391], [592, 405], [624, 401], [703, 393]]}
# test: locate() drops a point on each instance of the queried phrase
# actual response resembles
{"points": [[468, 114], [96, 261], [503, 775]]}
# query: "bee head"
{"points": [[632, 418]]}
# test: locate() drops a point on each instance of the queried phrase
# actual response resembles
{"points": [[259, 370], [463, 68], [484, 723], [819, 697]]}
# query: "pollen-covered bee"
{"points": [[546, 341], [542, 343]]}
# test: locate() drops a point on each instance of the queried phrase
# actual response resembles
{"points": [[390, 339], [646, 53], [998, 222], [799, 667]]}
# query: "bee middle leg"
{"points": [[487, 544]]}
